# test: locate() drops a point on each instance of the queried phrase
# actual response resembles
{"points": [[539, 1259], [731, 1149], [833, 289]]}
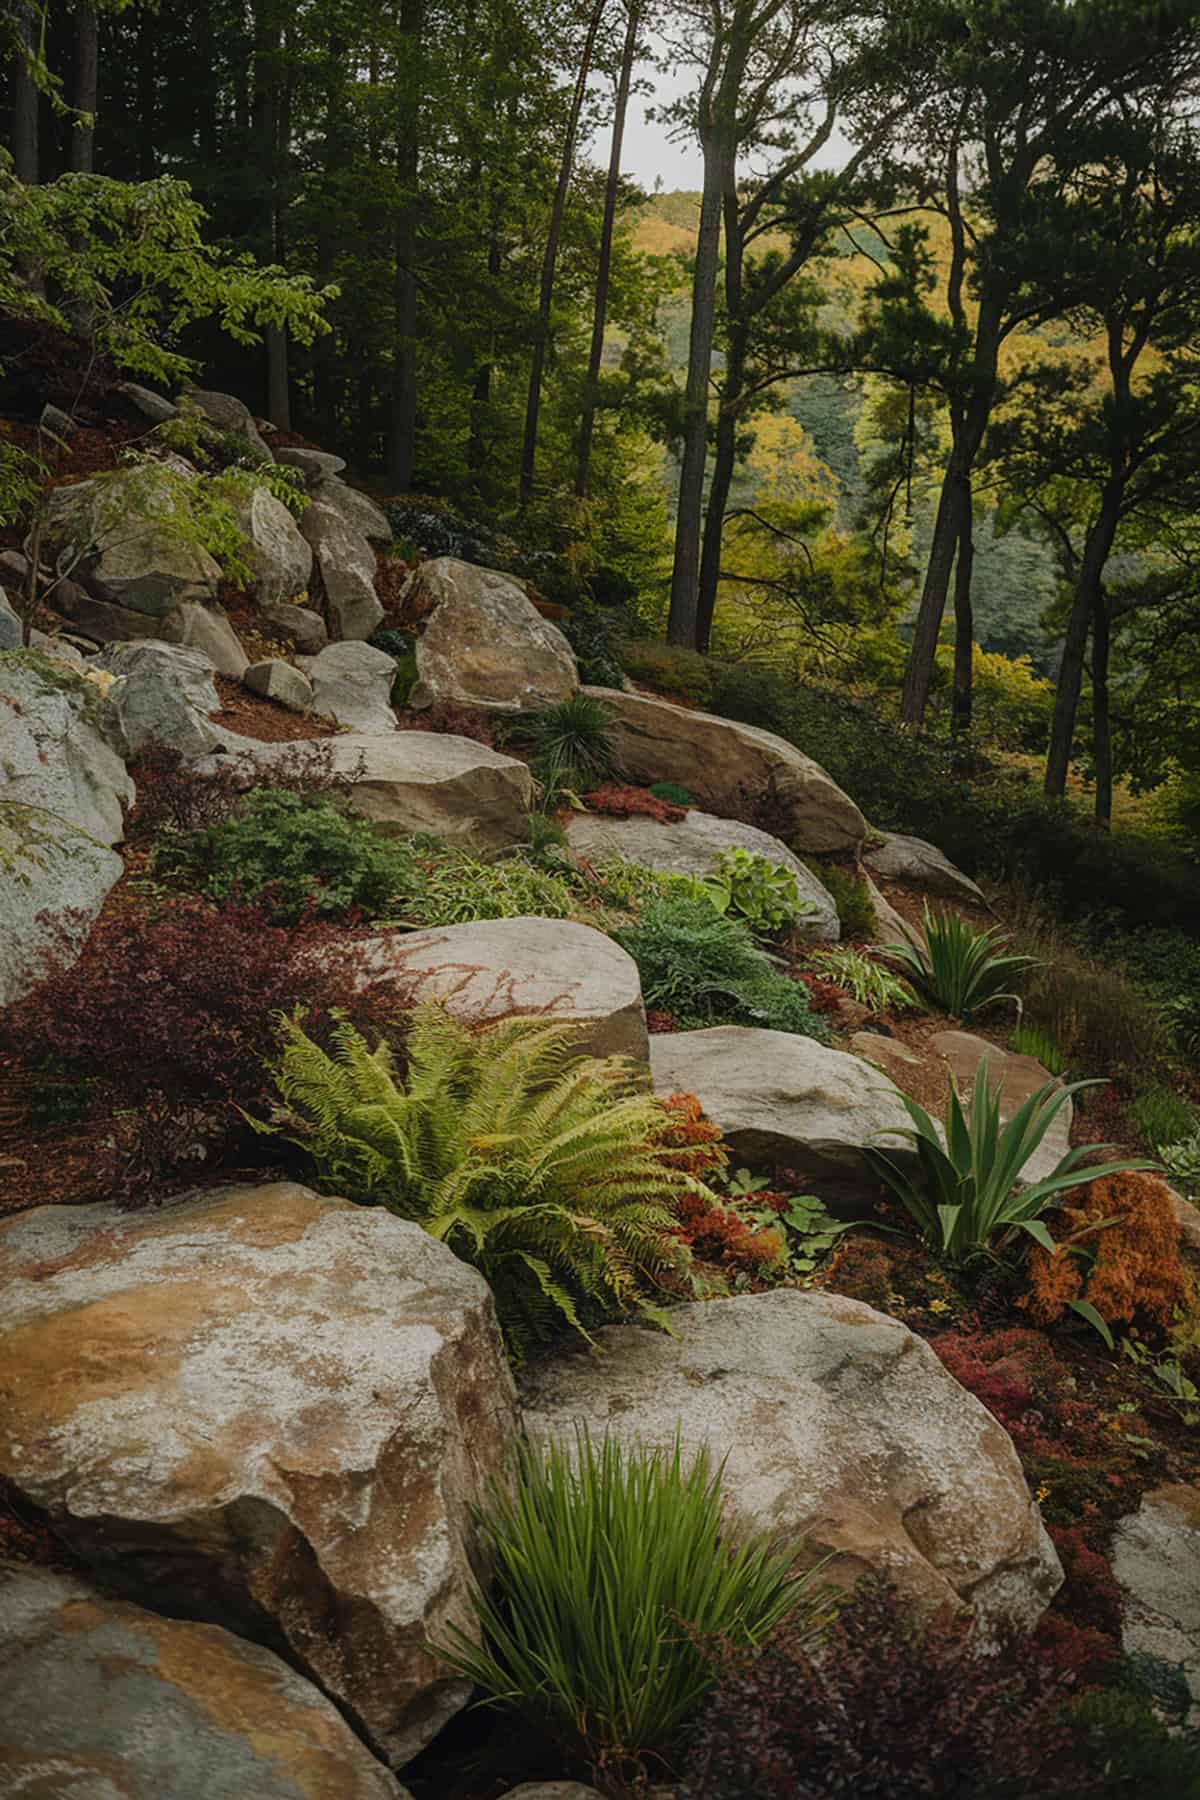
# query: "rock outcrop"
{"points": [[1156, 1559], [314, 465], [724, 765], [53, 881], [279, 555], [920, 865], [352, 683], [269, 1410], [119, 538], [420, 781], [783, 1098], [100, 1700], [231, 415], [840, 1427], [164, 694], [346, 563], [59, 738], [278, 680], [485, 644], [533, 968], [693, 846], [358, 512]]}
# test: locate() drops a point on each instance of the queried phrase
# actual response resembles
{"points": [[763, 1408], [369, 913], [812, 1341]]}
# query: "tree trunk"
{"points": [[683, 618], [947, 531], [964, 625], [402, 433], [533, 403], [1084, 606], [83, 136], [266, 125], [1101, 715], [25, 100], [324, 363], [604, 265]]}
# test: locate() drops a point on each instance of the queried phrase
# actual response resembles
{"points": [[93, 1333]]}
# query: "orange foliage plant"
{"points": [[1128, 1269]]}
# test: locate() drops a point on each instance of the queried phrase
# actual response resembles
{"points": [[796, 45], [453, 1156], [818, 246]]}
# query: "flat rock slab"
{"points": [[1156, 1559], [269, 1410], [549, 969], [723, 764], [693, 846], [59, 735], [840, 1427], [485, 643], [53, 882], [314, 465], [419, 781], [920, 865], [784, 1098], [102, 1701], [1021, 1076]]}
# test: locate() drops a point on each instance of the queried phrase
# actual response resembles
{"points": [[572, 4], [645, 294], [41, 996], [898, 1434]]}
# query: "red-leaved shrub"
{"points": [[453, 721], [174, 796], [621, 802]]}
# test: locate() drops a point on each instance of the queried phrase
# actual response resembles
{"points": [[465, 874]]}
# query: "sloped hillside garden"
{"points": [[749, 1137]]}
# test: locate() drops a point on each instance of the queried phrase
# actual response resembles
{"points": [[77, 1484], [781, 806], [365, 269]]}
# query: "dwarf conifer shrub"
{"points": [[548, 1171]]}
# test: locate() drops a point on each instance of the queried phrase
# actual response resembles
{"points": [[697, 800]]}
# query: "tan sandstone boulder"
{"points": [[1018, 1078], [840, 1427], [537, 968], [722, 763], [102, 1701], [268, 1410], [485, 643]]}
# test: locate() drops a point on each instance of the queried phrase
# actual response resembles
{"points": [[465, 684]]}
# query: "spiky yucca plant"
{"points": [[545, 1169], [959, 968]]}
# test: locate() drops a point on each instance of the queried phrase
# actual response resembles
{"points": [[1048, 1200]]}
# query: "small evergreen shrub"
{"points": [[1161, 1117], [705, 968], [616, 1577], [848, 891], [573, 743], [672, 793], [593, 635], [669, 669], [545, 1170]]}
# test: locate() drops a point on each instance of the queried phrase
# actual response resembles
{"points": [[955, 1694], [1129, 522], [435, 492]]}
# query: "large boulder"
{"points": [[278, 680], [419, 781], [53, 881], [836, 1425], [346, 563], [693, 846], [122, 538], [352, 683], [145, 401], [920, 865], [485, 643], [1156, 1559], [314, 465], [723, 765], [11, 629], [1017, 1078], [356, 509], [279, 555], [165, 693], [59, 740], [268, 1410], [206, 629], [233, 416], [299, 626], [100, 1700], [534, 968], [197, 627], [782, 1098]]}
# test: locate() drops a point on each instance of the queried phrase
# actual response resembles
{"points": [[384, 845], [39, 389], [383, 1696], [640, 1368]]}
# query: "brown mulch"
{"points": [[254, 717], [910, 904], [929, 1084], [92, 451]]}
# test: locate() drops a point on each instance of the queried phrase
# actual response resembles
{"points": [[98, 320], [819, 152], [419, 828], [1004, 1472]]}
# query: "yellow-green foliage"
{"points": [[546, 1170]]}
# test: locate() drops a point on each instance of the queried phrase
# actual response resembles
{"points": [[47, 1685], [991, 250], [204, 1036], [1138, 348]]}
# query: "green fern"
{"points": [[544, 1169]]}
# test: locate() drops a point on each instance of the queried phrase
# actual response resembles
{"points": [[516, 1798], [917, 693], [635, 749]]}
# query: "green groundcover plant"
{"points": [[967, 1196], [960, 969], [864, 979], [615, 1576], [546, 1170]]}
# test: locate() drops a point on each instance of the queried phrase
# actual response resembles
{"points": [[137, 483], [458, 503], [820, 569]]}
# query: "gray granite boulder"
{"points": [[837, 1426], [693, 846], [122, 538], [231, 415], [60, 743], [279, 555], [352, 683], [277, 680], [100, 1700], [1156, 1559], [314, 465], [54, 879], [286, 1409], [920, 865], [485, 644], [355, 508], [164, 693], [299, 626], [346, 564]]}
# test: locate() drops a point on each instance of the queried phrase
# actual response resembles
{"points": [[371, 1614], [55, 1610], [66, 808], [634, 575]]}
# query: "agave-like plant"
{"points": [[967, 1196], [960, 968]]}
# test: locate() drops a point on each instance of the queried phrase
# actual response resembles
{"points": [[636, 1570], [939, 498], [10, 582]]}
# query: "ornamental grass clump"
{"points": [[615, 1580], [546, 1170], [958, 968], [968, 1196]]}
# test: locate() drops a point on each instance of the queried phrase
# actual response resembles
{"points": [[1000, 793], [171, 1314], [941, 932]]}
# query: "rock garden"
{"points": [[542, 1253]]}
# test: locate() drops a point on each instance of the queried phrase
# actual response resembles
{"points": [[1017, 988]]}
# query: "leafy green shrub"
{"points": [[705, 968], [672, 793], [616, 1578], [545, 1170], [956, 966], [1161, 1117], [457, 887], [669, 669], [864, 979], [849, 893], [592, 635], [765, 894], [296, 855], [1182, 1163], [573, 743], [966, 1197]]}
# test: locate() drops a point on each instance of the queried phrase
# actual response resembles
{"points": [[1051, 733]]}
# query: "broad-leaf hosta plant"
{"points": [[960, 969], [546, 1170], [966, 1196], [616, 1579]]}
